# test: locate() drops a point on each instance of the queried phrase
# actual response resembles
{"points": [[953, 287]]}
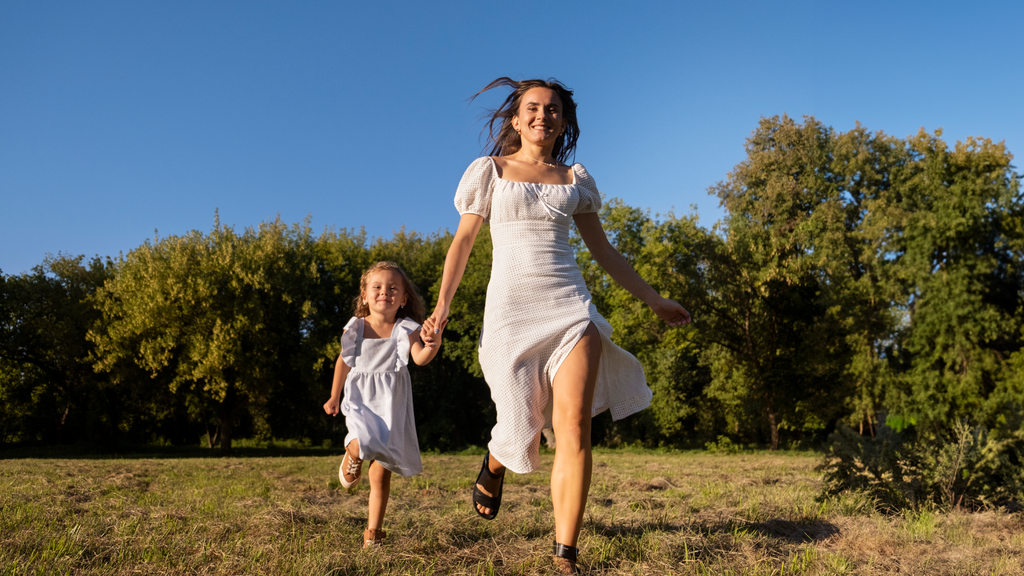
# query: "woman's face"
{"points": [[539, 120]]}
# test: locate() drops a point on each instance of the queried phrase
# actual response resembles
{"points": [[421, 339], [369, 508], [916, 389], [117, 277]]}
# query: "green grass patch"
{"points": [[650, 512]]}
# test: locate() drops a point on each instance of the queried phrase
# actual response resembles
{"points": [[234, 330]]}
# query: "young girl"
{"points": [[371, 368]]}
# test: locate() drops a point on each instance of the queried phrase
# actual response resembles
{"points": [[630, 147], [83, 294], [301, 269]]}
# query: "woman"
{"points": [[544, 349]]}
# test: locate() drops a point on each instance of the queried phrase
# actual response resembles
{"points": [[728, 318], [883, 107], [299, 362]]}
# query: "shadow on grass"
{"points": [[796, 533], [791, 532], [76, 452]]}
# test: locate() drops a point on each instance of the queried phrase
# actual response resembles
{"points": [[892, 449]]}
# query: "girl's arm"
{"points": [[332, 406], [421, 354], [454, 267], [589, 225]]}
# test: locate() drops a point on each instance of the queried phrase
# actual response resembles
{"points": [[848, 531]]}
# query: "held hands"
{"points": [[437, 321], [671, 312], [432, 329]]}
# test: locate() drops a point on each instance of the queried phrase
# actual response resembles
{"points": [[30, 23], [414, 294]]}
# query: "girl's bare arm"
{"points": [[333, 405], [421, 354]]}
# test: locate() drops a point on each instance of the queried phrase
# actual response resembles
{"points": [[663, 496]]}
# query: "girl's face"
{"points": [[385, 292], [539, 120]]}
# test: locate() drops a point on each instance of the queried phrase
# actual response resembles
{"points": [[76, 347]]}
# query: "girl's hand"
{"points": [[671, 312], [331, 407]]}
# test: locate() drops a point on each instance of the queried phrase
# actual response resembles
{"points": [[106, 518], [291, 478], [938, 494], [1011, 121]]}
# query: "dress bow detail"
{"points": [[551, 210]]}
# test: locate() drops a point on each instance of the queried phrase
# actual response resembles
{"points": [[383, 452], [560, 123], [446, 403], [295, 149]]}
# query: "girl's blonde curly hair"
{"points": [[414, 306]]}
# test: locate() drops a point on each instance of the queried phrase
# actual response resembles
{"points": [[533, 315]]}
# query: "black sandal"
{"points": [[565, 558], [492, 502]]}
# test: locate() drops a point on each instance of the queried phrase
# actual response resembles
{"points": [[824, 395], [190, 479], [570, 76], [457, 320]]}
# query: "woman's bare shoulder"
{"points": [[499, 163]]}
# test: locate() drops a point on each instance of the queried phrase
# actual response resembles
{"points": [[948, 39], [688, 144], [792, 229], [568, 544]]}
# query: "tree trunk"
{"points": [[225, 433], [226, 415], [773, 423]]}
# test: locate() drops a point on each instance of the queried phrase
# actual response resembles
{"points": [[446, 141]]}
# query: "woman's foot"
{"points": [[487, 492], [565, 559], [373, 537], [351, 467]]}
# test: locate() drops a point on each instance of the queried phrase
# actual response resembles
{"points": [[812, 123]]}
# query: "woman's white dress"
{"points": [[538, 307], [378, 397]]}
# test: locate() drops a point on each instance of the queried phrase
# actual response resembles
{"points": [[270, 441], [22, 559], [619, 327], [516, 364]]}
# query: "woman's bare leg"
{"points": [[380, 490], [573, 400]]}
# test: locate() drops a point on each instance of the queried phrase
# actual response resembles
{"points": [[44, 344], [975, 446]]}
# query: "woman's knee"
{"points": [[573, 432]]}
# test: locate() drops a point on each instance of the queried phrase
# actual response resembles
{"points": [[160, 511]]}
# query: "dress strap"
{"points": [[402, 331], [350, 340]]}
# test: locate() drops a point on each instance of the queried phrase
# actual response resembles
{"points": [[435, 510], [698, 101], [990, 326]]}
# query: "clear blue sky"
{"points": [[121, 118]]}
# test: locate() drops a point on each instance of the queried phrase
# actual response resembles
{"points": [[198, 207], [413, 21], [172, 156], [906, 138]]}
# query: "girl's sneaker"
{"points": [[373, 537], [351, 470]]}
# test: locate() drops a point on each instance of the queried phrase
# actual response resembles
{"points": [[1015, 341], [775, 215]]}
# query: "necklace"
{"points": [[539, 161]]}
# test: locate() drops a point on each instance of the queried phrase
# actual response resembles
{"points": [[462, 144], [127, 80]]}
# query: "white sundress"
{"points": [[538, 307], [378, 397]]}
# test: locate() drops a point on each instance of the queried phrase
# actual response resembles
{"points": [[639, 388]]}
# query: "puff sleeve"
{"points": [[590, 198], [403, 331], [350, 341], [474, 193]]}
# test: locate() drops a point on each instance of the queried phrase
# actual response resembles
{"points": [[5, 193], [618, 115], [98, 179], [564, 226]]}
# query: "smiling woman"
{"points": [[554, 102], [544, 349]]}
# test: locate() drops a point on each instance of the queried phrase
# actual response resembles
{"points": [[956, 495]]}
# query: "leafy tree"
{"points": [[954, 249], [222, 318], [867, 167], [771, 283], [48, 390]]}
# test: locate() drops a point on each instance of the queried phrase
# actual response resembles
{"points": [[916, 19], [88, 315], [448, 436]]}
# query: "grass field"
{"points": [[649, 513]]}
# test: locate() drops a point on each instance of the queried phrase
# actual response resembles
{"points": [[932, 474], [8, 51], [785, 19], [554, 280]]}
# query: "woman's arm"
{"points": [[589, 226], [332, 406], [454, 267]]}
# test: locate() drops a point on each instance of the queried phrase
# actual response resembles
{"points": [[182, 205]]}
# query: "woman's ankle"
{"points": [[494, 466]]}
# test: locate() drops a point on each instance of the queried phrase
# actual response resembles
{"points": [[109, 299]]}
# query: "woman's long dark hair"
{"points": [[506, 140]]}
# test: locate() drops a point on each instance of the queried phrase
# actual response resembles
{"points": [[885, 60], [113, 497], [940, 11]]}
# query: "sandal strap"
{"points": [[484, 500], [567, 552]]}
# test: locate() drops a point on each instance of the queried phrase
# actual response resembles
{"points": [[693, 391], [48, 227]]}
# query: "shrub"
{"points": [[724, 445], [961, 466]]}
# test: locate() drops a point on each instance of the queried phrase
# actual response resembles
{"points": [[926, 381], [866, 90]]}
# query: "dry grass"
{"points": [[648, 514]]}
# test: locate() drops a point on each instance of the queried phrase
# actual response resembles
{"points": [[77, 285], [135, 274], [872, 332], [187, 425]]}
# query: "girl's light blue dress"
{"points": [[378, 397]]}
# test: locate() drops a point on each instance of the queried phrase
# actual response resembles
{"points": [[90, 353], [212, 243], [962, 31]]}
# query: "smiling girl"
{"points": [[372, 371]]}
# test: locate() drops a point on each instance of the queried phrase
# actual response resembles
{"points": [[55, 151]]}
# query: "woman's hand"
{"points": [[430, 334], [331, 406], [671, 312], [436, 323]]}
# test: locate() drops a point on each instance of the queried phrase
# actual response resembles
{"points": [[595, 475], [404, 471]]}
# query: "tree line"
{"points": [[857, 279]]}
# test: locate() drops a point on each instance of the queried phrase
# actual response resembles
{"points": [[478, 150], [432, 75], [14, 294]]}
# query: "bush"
{"points": [[961, 466], [724, 445]]}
